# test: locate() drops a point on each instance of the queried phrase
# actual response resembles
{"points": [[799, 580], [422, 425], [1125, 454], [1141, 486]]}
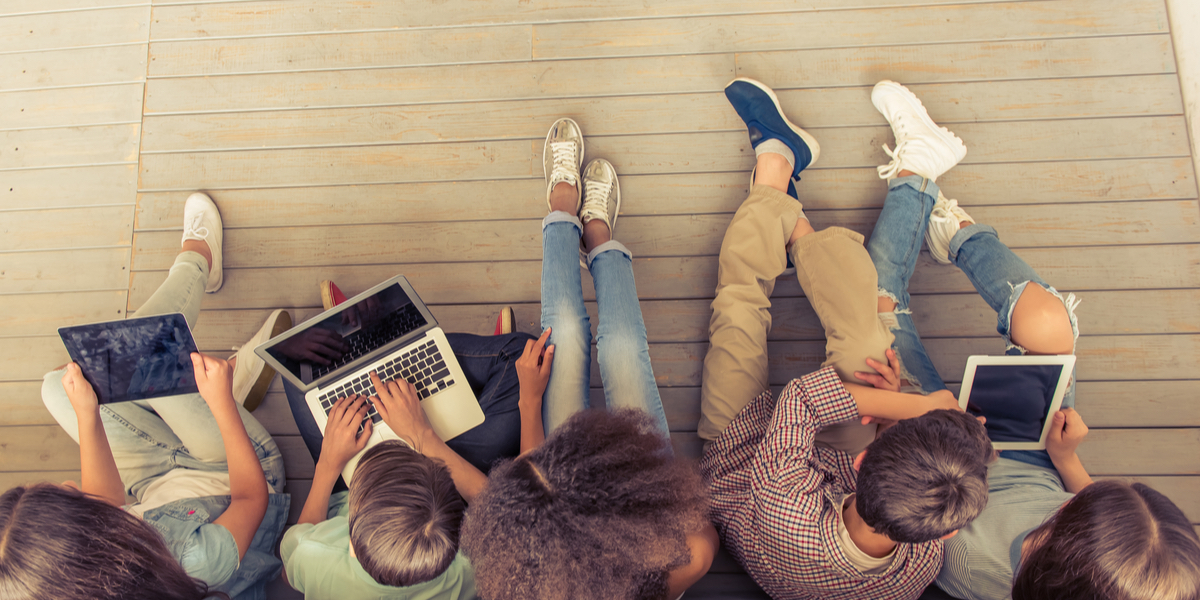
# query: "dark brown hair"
{"points": [[925, 477], [405, 515], [601, 510], [1112, 541], [57, 543]]}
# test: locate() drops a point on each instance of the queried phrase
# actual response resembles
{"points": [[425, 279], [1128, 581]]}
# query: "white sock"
{"points": [[775, 146]]}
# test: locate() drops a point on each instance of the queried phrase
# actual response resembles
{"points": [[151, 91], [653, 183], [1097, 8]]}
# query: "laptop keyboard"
{"points": [[369, 339], [421, 366]]}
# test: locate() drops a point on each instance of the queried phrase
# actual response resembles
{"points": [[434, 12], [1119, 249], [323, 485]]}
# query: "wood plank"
{"points": [[73, 228], [11, 479], [438, 83], [29, 358], [23, 405], [65, 271], [690, 194], [393, 48], [33, 32], [342, 165], [70, 186], [21, 7], [836, 29], [78, 67], [1032, 59], [33, 148], [836, 107], [43, 314], [668, 278], [1184, 491], [38, 448], [72, 106]]}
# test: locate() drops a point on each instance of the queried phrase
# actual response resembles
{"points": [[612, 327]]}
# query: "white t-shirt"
{"points": [[867, 564], [178, 484]]}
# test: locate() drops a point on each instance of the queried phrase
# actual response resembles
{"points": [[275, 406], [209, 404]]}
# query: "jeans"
{"points": [[150, 437], [623, 354], [999, 275], [489, 363]]}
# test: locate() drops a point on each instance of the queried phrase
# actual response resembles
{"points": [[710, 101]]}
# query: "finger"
{"points": [[867, 420], [893, 360], [541, 341], [528, 349], [339, 408], [313, 357], [380, 387], [197, 363], [547, 361], [365, 435], [871, 378]]}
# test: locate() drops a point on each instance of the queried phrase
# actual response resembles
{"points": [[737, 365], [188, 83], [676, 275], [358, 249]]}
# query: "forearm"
{"points": [[532, 429], [98, 470], [246, 478], [1071, 470], [316, 507], [467, 479], [886, 404], [703, 547]]}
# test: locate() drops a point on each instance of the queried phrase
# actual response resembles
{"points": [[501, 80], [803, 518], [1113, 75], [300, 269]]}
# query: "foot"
{"points": [[945, 220], [921, 146], [562, 156], [601, 205], [202, 222], [759, 108], [251, 375], [505, 321]]}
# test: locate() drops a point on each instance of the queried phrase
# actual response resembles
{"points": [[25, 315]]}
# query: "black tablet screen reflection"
{"points": [[1015, 399], [135, 359]]}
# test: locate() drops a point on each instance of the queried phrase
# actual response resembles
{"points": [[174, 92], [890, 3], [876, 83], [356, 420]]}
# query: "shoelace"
{"points": [[892, 168], [564, 162], [193, 227], [595, 201]]}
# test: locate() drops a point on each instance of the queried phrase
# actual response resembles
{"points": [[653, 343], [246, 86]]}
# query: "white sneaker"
{"points": [[251, 375], [562, 156], [601, 199], [943, 224], [921, 146], [202, 221]]}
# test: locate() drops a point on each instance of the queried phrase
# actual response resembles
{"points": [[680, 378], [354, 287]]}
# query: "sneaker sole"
{"points": [[258, 391], [915, 103], [813, 147], [546, 147]]}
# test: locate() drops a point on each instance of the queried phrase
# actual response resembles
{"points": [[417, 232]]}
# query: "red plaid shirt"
{"points": [[776, 499]]}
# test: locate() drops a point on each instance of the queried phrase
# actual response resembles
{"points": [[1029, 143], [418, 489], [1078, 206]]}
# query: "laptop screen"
{"points": [[1015, 399], [352, 332], [134, 359]]}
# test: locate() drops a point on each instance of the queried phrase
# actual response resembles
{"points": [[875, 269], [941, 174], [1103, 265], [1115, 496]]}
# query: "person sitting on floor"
{"points": [[596, 506], [806, 516]]}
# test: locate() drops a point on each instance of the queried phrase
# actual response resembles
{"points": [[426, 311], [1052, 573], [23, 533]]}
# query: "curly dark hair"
{"points": [[601, 510]]}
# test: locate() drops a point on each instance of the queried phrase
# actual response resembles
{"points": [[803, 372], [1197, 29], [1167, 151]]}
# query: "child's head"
{"points": [[59, 543], [600, 510], [405, 515], [1112, 541], [925, 478]]}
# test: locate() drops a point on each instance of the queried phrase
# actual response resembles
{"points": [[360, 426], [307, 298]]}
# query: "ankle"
{"points": [[773, 170], [199, 247], [595, 232], [564, 197], [964, 224], [802, 228]]}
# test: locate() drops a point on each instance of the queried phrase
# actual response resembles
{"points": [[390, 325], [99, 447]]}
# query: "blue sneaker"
{"points": [[757, 105]]}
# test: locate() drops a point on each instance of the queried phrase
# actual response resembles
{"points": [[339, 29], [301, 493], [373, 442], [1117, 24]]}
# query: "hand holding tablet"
{"points": [[1018, 395]]}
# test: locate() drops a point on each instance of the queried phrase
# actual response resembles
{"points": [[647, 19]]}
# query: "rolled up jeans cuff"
{"points": [[559, 216], [605, 247]]}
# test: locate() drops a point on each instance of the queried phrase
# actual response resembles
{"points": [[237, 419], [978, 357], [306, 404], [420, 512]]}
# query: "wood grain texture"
{"points": [[23, 7], [123, 25], [65, 271], [77, 67], [43, 314], [70, 186], [23, 406], [34, 148], [73, 228], [72, 106], [29, 358]]}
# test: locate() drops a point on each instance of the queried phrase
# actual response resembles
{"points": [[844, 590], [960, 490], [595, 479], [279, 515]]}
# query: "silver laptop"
{"points": [[386, 329]]}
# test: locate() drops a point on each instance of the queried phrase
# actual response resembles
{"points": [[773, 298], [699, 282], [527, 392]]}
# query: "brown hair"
{"points": [[57, 543], [1114, 541], [925, 477], [405, 515], [601, 510]]}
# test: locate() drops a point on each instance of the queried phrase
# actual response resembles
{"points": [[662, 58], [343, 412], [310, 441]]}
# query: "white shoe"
{"points": [[562, 156], [601, 199], [943, 224], [921, 146], [202, 221], [251, 375]]}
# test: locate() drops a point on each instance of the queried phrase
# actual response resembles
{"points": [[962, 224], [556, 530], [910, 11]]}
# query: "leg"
{"points": [[563, 312], [624, 355], [490, 365]]}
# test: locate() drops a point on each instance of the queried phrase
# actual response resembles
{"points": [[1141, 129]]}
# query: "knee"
{"points": [[1041, 324]]}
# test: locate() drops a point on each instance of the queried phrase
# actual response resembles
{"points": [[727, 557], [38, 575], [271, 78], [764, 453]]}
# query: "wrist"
{"points": [[329, 467], [528, 400], [1062, 457]]}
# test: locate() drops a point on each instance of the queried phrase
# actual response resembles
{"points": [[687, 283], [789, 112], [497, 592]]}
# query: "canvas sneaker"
{"points": [[331, 296], [251, 375], [562, 156], [943, 224], [759, 108], [505, 321], [601, 199], [921, 146], [202, 221]]}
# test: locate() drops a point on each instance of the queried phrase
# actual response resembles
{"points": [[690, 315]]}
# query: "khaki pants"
{"points": [[838, 278]]}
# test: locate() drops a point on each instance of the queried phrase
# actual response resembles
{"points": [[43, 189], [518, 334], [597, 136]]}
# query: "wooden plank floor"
{"points": [[354, 140]]}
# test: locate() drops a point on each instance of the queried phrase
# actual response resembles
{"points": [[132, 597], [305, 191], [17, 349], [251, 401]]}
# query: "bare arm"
{"points": [[1067, 431], [895, 406], [342, 441], [533, 371], [98, 470]]}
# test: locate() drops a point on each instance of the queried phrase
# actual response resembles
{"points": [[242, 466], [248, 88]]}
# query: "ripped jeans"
{"points": [[999, 276]]}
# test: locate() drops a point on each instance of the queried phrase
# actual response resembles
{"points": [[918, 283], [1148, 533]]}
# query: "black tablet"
{"points": [[134, 359]]}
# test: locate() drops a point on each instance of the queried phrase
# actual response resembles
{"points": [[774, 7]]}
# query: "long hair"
{"points": [[57, 543], [1112, 541], [600, 510]]}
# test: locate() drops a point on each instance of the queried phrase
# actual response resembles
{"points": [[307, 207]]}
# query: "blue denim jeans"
{"points": [[489, 363], [622, 351], [150, 437], [999, 275]]}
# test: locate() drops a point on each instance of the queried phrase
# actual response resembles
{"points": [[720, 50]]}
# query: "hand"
{"points": [[533, 370], [400, 408], [1067, 430], [316, 345], [79, 391], [888, 376], [342, 438], [214, 378], [943, 399]]}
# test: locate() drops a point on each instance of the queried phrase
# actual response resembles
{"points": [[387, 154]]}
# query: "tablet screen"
{"points": [[1015, 399], [134, 359]]}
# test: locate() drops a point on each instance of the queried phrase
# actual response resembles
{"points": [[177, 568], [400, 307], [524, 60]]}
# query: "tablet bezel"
{"points": [[1064, 380]]}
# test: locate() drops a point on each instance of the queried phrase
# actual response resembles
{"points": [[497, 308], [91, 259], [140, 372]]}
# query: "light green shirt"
{"points": [[318, 563]]}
